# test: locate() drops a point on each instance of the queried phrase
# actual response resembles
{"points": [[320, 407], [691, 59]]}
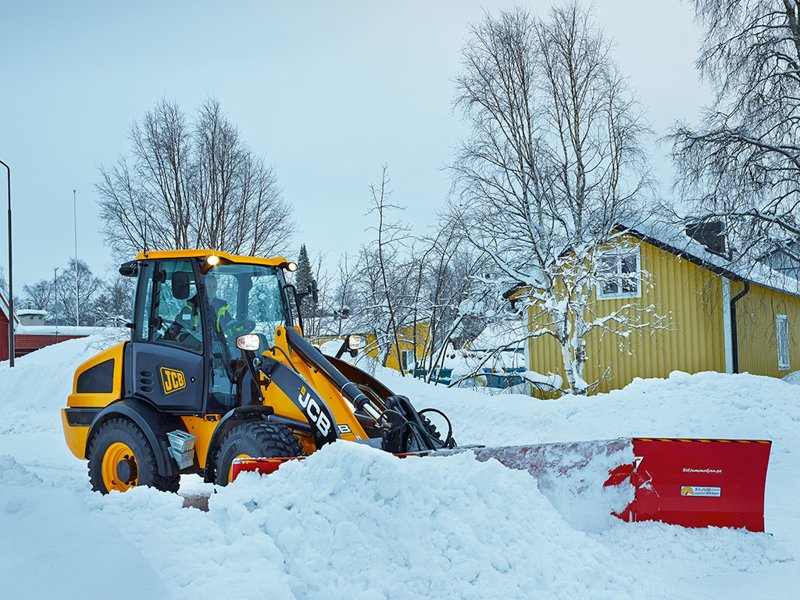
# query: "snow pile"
{"points": [[571, 477], [793, 378], [352, 521]]}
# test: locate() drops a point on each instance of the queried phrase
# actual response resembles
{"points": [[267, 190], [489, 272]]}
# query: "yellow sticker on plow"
{"points": [[696, 490]]}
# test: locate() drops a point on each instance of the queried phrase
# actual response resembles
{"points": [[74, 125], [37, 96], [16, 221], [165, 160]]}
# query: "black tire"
{"points": [[257, 439], [121, 430]]}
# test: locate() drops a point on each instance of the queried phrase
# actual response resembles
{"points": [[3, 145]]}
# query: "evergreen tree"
{"points": [[304, 281]]}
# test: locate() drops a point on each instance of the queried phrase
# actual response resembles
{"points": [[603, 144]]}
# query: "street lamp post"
{"points": [[10, 278], [77, 302]]}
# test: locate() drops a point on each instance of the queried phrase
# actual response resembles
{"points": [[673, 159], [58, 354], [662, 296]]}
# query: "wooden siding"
{"points": [[758, 344], [689, 295]]}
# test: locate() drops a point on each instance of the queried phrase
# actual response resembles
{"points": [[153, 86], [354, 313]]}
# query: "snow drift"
{"points": [[353, 522]]}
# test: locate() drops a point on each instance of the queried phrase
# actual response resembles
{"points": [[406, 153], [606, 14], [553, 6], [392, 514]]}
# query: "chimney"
{"points": [[711, 234]]}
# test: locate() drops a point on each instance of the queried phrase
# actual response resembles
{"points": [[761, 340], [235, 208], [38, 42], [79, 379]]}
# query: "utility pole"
{"points": [[55, 299], [75, 217], [10, 278]]}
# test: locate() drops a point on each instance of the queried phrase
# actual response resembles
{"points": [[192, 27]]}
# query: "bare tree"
{"points": [[344, 300], [113, 306], [192, 185], [39, 295], [741, 165], [89, 287], [554, 164], [381, 280]]}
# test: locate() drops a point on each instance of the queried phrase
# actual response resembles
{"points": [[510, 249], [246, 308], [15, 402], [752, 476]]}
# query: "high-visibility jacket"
{"points": [[189, 317]]}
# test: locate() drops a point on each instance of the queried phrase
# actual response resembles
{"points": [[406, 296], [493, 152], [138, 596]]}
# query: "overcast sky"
{"points": [[326, 92]]}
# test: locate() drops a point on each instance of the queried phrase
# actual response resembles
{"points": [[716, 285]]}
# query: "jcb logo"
{"points": [[313, 411], [172, 380]]}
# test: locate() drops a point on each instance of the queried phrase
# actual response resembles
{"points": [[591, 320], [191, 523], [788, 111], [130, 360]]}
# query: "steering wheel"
{"points": [[175, 332], [242, 326], [180, 333]]}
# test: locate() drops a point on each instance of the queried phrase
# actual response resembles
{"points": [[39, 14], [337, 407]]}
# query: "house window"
{"points": [[619, 275], [782, 333], [407, 359]]}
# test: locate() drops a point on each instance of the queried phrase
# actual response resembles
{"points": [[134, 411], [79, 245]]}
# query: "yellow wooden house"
{"points": [[409, 351], [717, 319]]}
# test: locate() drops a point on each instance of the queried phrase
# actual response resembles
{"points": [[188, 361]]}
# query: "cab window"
{"points": [[177, 317]]}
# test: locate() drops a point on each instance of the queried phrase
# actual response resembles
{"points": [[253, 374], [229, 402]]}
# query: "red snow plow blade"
{"points": [[697, 483], [687, 482]]}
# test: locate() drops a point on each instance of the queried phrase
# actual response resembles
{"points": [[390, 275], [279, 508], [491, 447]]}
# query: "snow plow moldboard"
{"points": [[688, 482]]}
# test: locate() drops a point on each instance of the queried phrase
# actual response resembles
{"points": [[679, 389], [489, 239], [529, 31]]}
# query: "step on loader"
{"points": [[217, 379]]}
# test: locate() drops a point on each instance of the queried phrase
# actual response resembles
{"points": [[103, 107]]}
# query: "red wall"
{"points": [[26, 343], [3, 336]]}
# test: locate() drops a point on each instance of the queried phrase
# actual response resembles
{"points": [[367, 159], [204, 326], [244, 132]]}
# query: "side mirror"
{"points": [[180, 285], [314, 291], [129, 269]]}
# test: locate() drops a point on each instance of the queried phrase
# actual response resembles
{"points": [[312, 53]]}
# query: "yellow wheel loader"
{"points": [[216, 370], [217, 379]]}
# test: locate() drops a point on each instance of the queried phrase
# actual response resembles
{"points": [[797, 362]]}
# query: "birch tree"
{"points": [[741, 163], [191, 185], [553, 165]]}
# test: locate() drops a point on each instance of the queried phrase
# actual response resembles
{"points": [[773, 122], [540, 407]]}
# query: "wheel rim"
{"points": [[230, 471], [120, 470]]}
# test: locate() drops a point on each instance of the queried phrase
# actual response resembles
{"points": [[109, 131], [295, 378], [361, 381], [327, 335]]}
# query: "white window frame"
{"points": [[618, 256], [782, 331]]}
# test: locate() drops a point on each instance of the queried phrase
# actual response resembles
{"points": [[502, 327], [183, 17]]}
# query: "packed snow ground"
{"points": [[354, 522]]}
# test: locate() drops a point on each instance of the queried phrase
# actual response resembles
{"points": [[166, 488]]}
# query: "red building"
{"points": [[28, 338]]}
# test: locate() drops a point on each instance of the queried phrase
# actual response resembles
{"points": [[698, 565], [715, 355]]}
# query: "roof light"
{"points": [[212, 260], [291, 267]]}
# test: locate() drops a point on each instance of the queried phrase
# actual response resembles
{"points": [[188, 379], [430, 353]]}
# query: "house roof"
{"points": [[673, 239], [4, 308]]}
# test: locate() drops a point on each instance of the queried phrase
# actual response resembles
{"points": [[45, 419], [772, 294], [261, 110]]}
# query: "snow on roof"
{"points": [[30, 312], [58, 330], [673, 238], [508, 334]]}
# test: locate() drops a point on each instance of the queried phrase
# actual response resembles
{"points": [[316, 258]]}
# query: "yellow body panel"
{"points": [[341, 408], [276, 261], [99, 400], [75, 436], [202, 428]]}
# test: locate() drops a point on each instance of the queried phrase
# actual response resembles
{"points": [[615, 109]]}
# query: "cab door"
{"points": [[165, 362]]}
